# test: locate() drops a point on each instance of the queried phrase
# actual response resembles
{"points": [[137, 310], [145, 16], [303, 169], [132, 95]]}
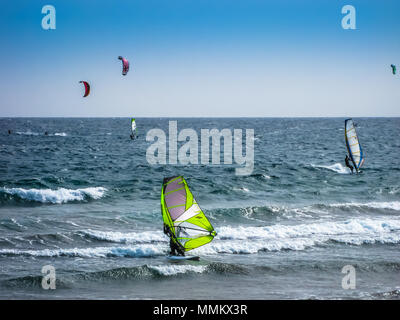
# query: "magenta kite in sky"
{"points": [[125, 65]]}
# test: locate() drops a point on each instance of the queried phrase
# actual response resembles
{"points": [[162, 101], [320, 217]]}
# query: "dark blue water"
{"points": [[85, 200]]}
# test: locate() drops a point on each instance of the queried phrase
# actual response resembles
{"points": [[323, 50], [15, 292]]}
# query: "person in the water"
{"points": [[46, 133], [348, 165], [9, 131], [176, 250]]}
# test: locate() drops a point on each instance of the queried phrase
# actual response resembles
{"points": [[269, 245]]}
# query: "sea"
{"points": [[80, 212]]}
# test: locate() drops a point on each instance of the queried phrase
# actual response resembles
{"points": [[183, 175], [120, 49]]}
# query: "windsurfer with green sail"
{"points": [[184, 222], [133, 129]]}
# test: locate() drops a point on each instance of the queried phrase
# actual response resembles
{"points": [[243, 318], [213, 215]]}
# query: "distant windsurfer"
{"points": [[176, 250], [132, 137], [348, 165]]}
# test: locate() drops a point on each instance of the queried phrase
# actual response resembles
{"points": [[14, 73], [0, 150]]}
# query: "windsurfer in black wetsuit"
{"points": [[176, 249], [348, 165]]}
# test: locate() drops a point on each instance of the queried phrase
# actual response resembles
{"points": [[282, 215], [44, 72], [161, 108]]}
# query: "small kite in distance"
{"points": [[87, 88], [125, 65], [393, 68]]}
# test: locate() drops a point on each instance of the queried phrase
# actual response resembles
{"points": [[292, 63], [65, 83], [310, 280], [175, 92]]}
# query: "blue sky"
{"points": [[200, 58]]}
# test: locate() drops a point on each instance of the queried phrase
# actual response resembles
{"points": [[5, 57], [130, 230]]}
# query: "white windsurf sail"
{"points": [[353, 144]]}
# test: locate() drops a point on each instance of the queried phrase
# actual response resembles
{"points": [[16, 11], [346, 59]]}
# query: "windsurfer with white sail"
{"points": [[355, 152]]}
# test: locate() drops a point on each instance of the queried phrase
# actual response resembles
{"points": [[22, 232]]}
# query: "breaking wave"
{"points": [[251, 240], [58, 196], [96, 252], [128, 238], [238, 239], [337, 167]]}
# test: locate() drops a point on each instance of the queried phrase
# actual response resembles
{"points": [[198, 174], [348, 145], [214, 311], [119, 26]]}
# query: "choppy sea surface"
{"points": [[85, 200]]}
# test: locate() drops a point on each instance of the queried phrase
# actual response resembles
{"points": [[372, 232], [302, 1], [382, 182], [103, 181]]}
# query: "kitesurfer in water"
{"points": [[176, 250], [348, 165]]}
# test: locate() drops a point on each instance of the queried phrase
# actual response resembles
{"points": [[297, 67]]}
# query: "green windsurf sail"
{"points": [[188, 226], [133, 127]]}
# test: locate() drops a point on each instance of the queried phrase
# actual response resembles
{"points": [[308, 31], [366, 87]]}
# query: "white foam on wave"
{"points": [[280, 231], [171, 270], [394, 190], [97, 252], [27, 133], [337, 167], [129, 237], [242, 240], [60, 134], [58, 196], [251, 240], [392, 205]]}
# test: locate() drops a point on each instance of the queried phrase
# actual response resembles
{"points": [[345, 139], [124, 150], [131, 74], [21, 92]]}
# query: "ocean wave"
{"points": [[241, 240], [251, 240], [337, 167], [127, 274], [60, 134], [233, 239], [265, 212], [392, 205], [128, 238], [394, 190], [172, 270], [394, 294], [31, 282], [279, 231], [27, 133], [96, 252], [58, 196], [92, 236]]}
